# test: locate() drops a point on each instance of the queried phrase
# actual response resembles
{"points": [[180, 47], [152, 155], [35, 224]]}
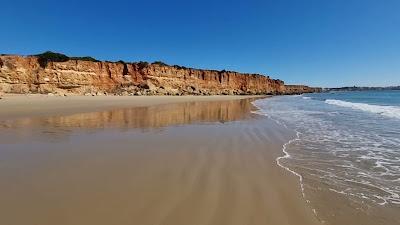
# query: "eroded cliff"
{"points": [[27, 74]]}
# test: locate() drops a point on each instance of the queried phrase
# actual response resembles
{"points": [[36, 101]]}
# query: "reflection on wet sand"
{"points": [[145, 117]]}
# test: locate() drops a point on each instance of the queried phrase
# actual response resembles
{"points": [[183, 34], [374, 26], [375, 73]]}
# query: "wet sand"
{"points": [[192, 161], [16, 106]]}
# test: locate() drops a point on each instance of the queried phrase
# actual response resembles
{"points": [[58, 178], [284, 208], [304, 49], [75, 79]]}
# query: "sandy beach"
{"points": [[200, 113], [144, 160]]}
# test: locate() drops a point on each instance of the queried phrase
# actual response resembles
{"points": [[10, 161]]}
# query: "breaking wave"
{"points": [[388, 111]]}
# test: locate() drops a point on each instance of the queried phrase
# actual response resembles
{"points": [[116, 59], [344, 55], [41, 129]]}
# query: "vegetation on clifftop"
{"points": [[49, 56], [85, 58], [142, 64], [159, 63]]}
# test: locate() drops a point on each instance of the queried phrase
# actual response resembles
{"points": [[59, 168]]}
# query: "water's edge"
{"points": [[287, 155]]}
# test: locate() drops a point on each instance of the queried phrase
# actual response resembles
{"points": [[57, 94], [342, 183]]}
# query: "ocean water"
{"points": [[347, 143]]}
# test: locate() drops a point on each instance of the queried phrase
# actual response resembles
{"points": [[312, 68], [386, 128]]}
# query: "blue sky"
{"points": [[316, 42]]}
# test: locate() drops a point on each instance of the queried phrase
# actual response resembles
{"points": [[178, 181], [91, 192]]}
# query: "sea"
{"points": [[346, 144]]}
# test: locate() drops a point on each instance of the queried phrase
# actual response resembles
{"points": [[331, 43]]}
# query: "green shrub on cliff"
{"points": [[180, 67], [160, 63], [85, 58], [142, 64], [48, 56]]}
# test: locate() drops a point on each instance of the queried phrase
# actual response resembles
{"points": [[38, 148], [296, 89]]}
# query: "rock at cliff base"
{"points": [[150, 86], [172, 91]]}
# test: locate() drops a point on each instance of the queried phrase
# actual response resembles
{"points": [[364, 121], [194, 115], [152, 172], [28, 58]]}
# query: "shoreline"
{"points": [[285, 154]]}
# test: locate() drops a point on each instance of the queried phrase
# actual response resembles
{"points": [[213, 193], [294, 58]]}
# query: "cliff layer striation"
{"points": [[79, 76]]}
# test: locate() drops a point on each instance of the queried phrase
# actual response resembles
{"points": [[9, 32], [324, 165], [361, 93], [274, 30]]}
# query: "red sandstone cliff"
{"points": [[19, 74]]}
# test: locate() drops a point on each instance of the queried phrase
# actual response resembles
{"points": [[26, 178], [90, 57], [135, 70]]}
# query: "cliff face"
{"points": [[20, 74], [300, 89]]}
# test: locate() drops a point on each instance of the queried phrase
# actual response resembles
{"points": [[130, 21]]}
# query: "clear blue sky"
{"points": [[320, 42]]}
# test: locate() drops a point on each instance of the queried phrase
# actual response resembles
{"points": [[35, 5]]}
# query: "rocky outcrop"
{"points": [[26, 74], [300, 89]]}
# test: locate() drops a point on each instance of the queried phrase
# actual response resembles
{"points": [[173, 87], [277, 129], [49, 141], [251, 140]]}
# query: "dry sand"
{"points": [[197, 161]]}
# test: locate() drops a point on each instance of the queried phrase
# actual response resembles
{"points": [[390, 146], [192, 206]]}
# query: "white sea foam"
{"points": [[356, 162], [305, 97], [389, 111]]}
